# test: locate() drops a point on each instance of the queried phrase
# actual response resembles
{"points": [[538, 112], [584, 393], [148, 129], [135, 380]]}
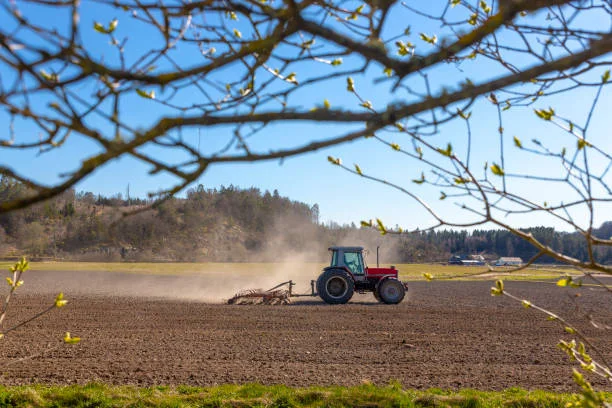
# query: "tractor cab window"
{"points": [[334, 260], [353, 261]]}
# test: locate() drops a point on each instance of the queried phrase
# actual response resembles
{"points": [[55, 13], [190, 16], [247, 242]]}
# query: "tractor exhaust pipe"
{"points": [[377, 265]]}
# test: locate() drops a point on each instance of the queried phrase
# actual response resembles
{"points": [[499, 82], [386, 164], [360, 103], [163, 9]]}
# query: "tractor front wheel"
{"points": [[335, 286], [391, 291]]}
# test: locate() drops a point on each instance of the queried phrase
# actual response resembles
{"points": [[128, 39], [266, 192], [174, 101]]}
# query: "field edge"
{"points": [[413, 271], [253, 395]]}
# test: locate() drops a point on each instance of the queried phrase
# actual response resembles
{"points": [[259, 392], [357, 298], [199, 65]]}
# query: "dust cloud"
{"points": [[212, 286]]}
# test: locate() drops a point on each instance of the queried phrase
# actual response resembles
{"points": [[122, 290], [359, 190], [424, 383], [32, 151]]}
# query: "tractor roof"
{"points": [[346, 248]]}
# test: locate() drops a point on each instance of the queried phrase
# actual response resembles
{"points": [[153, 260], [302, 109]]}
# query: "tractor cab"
{"points": [[350, 258]]}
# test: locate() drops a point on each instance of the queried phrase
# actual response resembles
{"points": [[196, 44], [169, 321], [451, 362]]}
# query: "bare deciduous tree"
{"points": [[244, 66]]}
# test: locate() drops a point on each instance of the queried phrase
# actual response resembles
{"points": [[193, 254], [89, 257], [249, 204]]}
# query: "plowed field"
{"points": [[444, 334]]}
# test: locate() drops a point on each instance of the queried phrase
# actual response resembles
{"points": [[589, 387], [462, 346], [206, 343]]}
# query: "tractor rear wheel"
{"points": [[391, 291], [335, 286]]}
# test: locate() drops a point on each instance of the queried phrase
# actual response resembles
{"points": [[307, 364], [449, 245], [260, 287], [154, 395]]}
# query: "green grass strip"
{"points": [[276, 396]]}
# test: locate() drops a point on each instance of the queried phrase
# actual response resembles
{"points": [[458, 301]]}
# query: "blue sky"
{"points": [[342, 197]]}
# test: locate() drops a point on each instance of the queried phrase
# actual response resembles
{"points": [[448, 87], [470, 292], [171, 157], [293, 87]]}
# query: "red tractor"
{"points": [[348, 273]]}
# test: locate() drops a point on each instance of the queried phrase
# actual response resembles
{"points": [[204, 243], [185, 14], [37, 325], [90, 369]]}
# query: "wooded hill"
{"points": [[234, 225]]}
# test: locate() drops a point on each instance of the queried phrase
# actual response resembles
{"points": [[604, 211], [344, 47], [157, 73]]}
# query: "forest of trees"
{"points": [[235, 225]]}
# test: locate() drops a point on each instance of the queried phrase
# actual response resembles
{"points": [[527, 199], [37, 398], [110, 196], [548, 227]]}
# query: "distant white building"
{"points": [[509, 261]]}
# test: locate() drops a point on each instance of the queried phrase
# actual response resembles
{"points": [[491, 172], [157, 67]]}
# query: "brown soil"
{"points": [[444, 334]]}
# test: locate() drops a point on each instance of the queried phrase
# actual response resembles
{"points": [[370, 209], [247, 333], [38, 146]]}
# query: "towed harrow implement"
{"points": [[278, 295]]}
